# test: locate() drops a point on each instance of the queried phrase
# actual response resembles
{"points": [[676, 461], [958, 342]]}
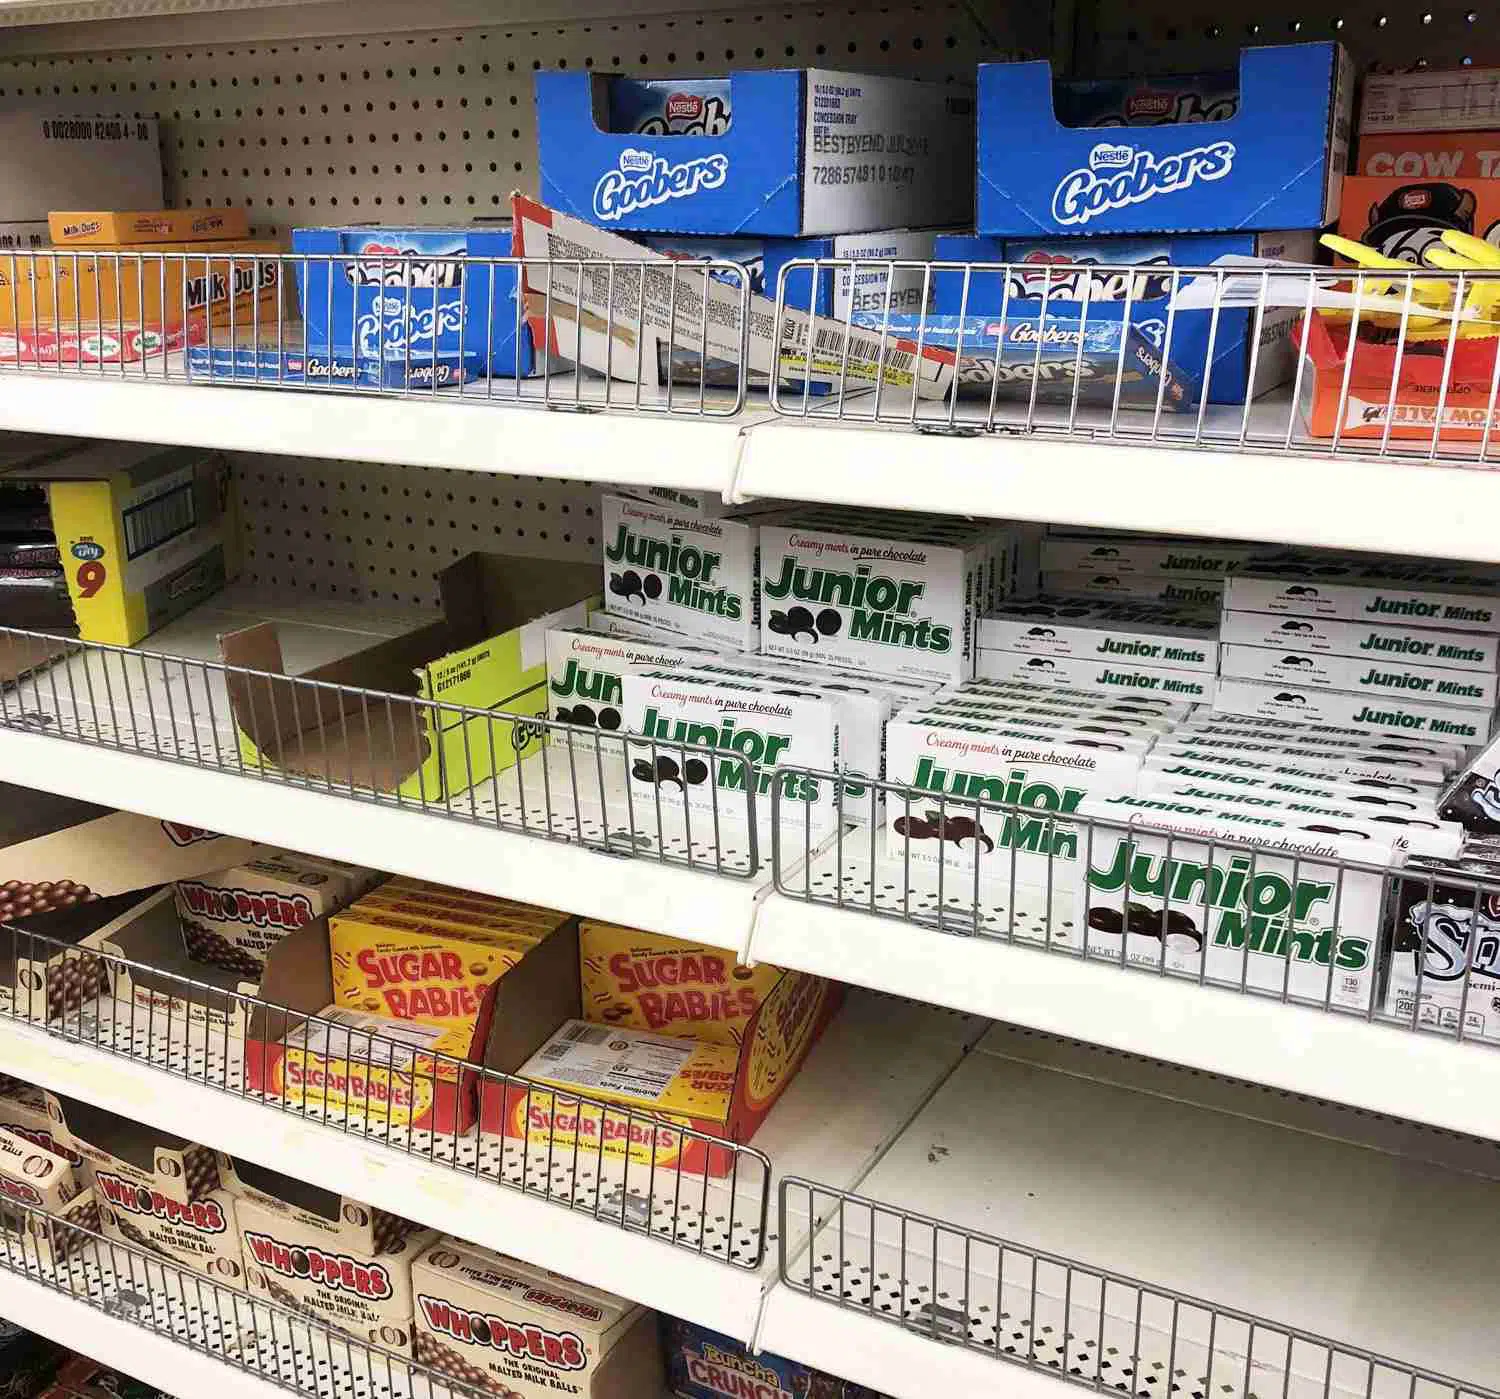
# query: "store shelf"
{"points": [[1423, 1077], [1310, 1221], [1298, 496], [472, 432], [846, 1105]]}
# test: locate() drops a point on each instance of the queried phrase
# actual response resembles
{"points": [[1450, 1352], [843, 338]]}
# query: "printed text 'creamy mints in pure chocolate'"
{"points": [[1359, 674], [713, 746], [1378, 641], [952, 766]]}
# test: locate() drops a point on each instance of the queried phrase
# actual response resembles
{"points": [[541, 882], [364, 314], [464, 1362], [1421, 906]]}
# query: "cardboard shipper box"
{"points": [[507, 1328], [43, 1184], [487, 652], [114, 227], [540, 996], [332, 1258], [157, 1192], [145, 532], [313, 1054]]}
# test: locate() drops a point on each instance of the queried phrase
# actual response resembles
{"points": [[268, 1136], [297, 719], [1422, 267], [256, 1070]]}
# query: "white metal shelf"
{"points": [[1317, 1220], [469, 433], [1420, 1077], [834, 1122], [1293, 497]]}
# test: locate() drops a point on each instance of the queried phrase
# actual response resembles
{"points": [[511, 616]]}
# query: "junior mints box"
{"points": [[681, 573], [677, 713], [1195, 905], [1146, 634], [1365, 675], [1388, 714], [783, 152], [1317, 636], [875, 597]]}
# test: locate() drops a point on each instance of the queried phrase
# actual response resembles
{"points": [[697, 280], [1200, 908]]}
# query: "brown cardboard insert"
{"points": [[318, 725]]}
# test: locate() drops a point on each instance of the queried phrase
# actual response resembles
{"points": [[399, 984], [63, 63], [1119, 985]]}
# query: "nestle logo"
{"points": [[635, 162], [684, 106], [1109, 156], [1150, 104], [1416, 199]]}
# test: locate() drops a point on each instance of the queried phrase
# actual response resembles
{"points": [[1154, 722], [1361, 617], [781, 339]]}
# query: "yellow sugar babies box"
{"points": [[659, 1084], [648, 981], [414, 969]]}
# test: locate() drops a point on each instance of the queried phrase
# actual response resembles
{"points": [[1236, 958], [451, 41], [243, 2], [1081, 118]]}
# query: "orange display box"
{"points": [[1403, 218], [110, 228], [1420, 406], [1435, 155]]}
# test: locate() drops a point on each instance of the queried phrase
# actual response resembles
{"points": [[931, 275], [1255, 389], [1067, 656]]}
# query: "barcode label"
{"points": [[153, 522], [586, 1034]]}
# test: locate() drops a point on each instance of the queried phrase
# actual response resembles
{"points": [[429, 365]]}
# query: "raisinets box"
{"points": [[1165, 875], [325, 1255], [438, 301], [497, 1325], [1275, 163], [786, 152]]}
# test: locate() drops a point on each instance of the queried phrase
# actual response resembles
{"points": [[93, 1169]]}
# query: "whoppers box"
{"points": [[41, 1196], [1064, 279], [785, 153], [508, 1328], [383, 298], [159, 1193], [1275, 163], [325, 1255]]}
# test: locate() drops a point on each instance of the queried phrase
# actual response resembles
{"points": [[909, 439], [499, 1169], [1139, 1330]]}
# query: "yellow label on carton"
{"points": [[413, 970], [648, 981]]}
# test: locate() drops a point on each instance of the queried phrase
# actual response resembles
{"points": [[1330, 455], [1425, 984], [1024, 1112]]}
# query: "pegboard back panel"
{"points": [[356, 532], [1177, 36], [438, 127]]}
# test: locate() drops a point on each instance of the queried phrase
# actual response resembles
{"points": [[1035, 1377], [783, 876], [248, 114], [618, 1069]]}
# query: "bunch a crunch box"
{"points": [[703, 1364], [145, 533], [649, 1097], [507, 1328], [326, 1256], [159, 1193]]}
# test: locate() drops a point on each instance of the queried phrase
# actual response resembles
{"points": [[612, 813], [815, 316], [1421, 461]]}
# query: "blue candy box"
{"points": [[441, 310], [780, 153], [1068, 269], [1276, 162], [703, 1364]]}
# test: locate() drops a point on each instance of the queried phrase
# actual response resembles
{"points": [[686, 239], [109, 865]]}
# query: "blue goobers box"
{"points": [[1276, 163], [441, 310], [1064, 270], [780, 153]]}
